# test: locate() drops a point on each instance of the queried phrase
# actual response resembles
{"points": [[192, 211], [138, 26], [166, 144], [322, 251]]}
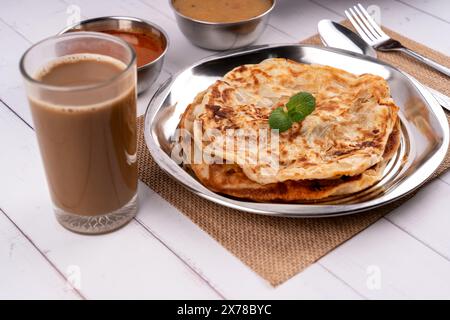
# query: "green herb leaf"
{"points": [[295, 115], [280, 120], [298, 108], [301, 105]]}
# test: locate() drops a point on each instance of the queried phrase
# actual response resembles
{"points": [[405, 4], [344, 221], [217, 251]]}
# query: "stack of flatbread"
{"points": [[342, 147]]}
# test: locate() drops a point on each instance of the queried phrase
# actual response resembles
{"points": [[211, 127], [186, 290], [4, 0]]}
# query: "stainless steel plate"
{"points": [[424, 141]]}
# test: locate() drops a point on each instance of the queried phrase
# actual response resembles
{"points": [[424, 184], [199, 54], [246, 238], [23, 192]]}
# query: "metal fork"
{"points": [[369, 30]]}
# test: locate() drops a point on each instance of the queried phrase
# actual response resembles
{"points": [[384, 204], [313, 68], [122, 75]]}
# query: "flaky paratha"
{"points": [[344, 136], [230, 179], [341, 148]]}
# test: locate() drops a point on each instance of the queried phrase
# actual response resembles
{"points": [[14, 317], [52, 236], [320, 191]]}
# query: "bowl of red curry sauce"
{"points": [[148, 40]]}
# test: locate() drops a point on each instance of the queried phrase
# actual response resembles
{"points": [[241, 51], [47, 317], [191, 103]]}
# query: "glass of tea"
{"points": [[81, 89]]}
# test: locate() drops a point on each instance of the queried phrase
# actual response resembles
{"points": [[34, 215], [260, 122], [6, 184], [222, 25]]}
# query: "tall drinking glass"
{"points": [[81, 88]]}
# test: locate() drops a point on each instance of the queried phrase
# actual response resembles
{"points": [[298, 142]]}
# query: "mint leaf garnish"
{"points": [[279, 119], [301, 105], [298, 108]]}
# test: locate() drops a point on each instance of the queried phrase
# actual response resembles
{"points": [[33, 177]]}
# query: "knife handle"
{"points": [[439, 67]]}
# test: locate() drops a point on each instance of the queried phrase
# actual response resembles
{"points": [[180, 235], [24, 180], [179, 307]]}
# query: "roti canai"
{"points": [[340, 148]]}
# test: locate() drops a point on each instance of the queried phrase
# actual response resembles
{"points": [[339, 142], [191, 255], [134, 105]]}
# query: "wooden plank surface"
{"points": [[24, 271]]}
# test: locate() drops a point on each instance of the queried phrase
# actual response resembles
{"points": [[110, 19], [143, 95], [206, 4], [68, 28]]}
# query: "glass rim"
{"points": [[92, 34]]}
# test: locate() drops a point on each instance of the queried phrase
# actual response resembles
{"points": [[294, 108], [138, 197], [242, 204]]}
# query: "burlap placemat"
{"points": [[279, 248]]}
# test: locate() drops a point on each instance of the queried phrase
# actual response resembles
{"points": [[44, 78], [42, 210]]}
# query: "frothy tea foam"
{"points": [[55, 72]]}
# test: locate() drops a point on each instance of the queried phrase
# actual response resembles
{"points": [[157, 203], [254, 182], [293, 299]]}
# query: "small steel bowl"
{"points": [[148, 73], [222, 35]]}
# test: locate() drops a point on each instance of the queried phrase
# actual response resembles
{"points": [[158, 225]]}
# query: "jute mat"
{"points": [[279, 248]]}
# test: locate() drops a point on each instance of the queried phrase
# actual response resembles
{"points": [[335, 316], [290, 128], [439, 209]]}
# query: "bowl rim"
{"points": [[126, 18], [222, 23]]}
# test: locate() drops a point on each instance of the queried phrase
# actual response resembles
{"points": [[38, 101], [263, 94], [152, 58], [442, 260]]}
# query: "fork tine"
{"points": [[356, 26], [363, 19], [371, 21], [361, 27]]}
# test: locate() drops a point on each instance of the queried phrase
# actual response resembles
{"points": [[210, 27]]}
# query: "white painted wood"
{"points": [[385, 263], [426, 216], [446, 177], [24, 272], [300, 21], [161, 6], [129, 263], [34, 21], [223, 270], [11, 90], [320, 284], [145, 97], [438, 9]]}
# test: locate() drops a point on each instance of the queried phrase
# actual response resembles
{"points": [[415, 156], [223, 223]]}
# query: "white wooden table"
{"points": [[162, 254]]}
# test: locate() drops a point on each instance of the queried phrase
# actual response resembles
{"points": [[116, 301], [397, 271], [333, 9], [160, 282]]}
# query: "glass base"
{"points": [[98, 224]]}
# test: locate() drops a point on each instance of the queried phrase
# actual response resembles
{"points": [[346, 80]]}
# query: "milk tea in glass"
{"points": [[81, 88]]}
